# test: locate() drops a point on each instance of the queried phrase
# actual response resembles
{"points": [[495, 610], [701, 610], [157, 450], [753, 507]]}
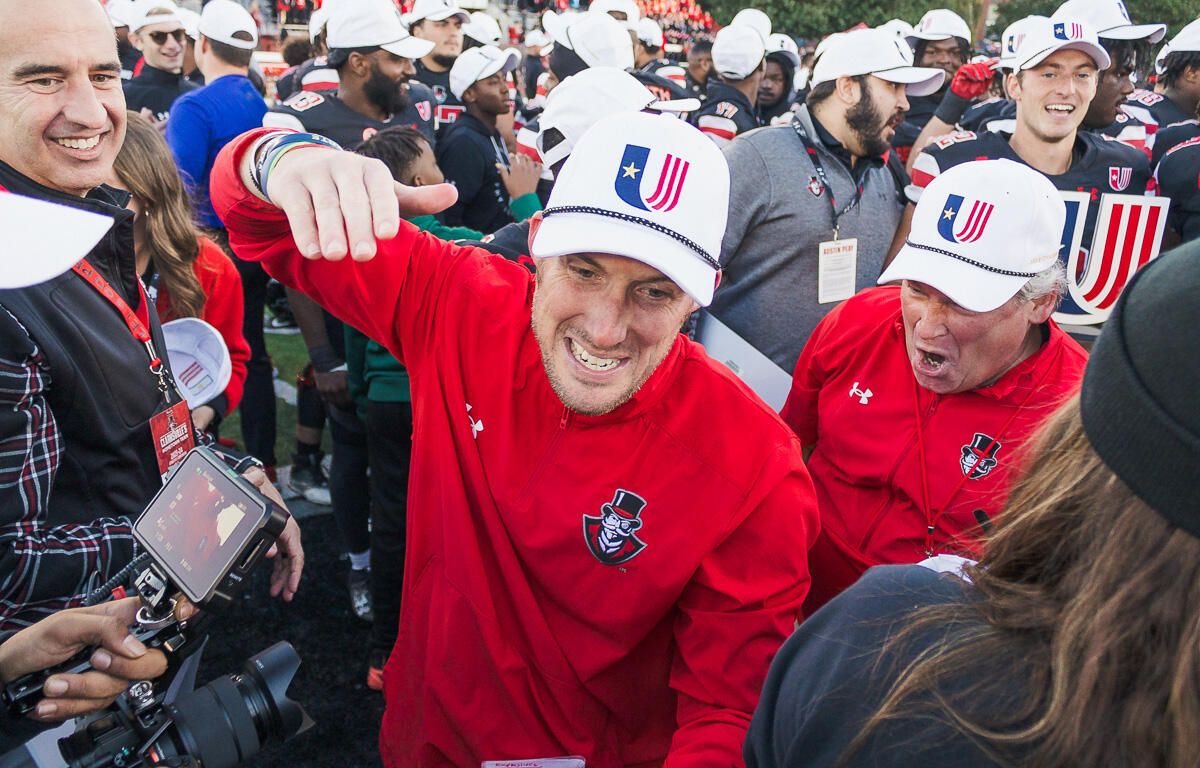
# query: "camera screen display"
{"points": [[198, 525]]}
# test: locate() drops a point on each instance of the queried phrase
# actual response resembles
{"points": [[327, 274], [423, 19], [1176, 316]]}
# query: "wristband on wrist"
{"points": [[324, 359], [269, 154], [952, 107]]}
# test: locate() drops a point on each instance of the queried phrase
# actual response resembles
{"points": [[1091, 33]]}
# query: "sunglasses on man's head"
{"points": [[160, 38]]}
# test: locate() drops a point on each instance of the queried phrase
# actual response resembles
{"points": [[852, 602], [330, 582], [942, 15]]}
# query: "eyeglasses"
{"points": [[160, 38]]}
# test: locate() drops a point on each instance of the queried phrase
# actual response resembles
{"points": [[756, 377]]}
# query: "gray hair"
{"points": [[1050, 281]]}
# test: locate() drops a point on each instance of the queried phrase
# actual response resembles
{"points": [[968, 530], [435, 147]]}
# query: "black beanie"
{"points": [[1141, 392]]}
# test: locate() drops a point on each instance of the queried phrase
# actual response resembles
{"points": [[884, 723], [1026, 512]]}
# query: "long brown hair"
{"points": [[1093, 599], [147, 168]]}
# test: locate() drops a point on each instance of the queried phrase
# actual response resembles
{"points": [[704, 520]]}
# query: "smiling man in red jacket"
{"points": [[914, 401], [608, 530]]}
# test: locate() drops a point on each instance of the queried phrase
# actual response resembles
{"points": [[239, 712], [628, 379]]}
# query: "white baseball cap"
{"points": [[1110, 19], [199, 358], [483, 28], [878, 52], [650, 33], [191, 22], [899, 27], [583, 99], [536, 38], [1044, 37], [1187, 39], [225, 20], [648, 187], [317, 20], [779, 44], [479, 63], [58, 234], [627, 7], [737, 52], [755, 19], [435, 10], [142, 14], [597, 38], [1014, 35], [940, 24], [372, 23], [980, 231]]}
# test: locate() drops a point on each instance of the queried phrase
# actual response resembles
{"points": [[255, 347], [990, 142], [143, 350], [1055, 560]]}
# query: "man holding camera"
{"points": [[604, 560], [85, 400]]}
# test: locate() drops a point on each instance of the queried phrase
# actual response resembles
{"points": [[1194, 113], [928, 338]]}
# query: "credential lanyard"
{"points": [[137, 322], [819, 167]]}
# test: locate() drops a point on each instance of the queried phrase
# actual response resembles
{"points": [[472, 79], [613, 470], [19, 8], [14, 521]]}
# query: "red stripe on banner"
{"points": [[1126, 264], [1110, 246], [718, 132], [679, 186], [662, 178]]}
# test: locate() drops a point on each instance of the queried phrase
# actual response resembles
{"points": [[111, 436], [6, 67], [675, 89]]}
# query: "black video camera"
{"points": [[203, 533]]}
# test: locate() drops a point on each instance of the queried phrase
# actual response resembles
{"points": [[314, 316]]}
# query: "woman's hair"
{"points": [[147, 169], [1091, 600]]}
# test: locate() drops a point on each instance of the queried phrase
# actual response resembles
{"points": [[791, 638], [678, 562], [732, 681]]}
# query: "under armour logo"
{"points": [[862, 395], [476, 425]]}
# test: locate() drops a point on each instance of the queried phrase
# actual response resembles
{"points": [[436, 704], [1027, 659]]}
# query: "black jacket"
{"points": [[467, 155], [156, 90]]}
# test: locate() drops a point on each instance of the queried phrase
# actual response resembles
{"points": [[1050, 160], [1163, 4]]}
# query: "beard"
{"points": [[387, 94], [442, 60], [867, 124]]}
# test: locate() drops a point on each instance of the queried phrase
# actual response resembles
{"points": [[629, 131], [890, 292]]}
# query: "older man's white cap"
{"points": [[597, 38], [980, 231], [756, 20], [1045, 37], [940, 24], [58, 234], [1110, 20], [586, 98], [876, 52], [479, 64], [648, 187]]}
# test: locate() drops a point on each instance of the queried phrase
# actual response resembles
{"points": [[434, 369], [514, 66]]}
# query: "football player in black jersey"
{"points": [[314, 74], [441, 23], [1178, 66], [942, 40], [1179, 178], [739, 56], [1055, 80]]}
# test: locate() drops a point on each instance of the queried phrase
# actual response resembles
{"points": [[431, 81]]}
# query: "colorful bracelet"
{"points": [[271, 151]]}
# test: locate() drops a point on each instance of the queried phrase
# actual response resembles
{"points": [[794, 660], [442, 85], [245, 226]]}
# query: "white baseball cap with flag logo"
{"points": [[980, 231], [58, 234], [583, 99], [372, 24], [479, 63], [737, 52], [435, 10], [875, 52], [940, 24], [1014, 35], [1110, 19], [228, 22], [648, 187], [1044, 37], [597, 38], [755, 19], [199, 359]]}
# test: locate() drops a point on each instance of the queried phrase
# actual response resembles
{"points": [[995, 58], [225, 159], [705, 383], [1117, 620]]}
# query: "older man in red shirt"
{"points": [[913, 401]]}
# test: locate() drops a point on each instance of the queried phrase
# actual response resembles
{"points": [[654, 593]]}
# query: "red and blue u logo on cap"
{"points": [[667, 188], [973, 224], [1068, 30]]}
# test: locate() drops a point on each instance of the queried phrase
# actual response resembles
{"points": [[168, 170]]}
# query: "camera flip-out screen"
{"points": [[207, 527]]}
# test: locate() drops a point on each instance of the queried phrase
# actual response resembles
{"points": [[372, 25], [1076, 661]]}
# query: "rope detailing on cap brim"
{"points": [[692, 244], [972, 262]]}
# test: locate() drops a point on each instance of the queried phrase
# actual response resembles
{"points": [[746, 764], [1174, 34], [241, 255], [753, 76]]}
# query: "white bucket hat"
{"points": [[980, 231], [58, 234], [874, 52], [199, 359]]}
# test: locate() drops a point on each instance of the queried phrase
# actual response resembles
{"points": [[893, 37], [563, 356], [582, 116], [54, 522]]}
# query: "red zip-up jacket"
{"points": [[521, 634], [855, 400]]}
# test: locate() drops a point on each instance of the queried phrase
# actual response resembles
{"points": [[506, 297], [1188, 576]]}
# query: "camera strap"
{"points": [[171, 426]]}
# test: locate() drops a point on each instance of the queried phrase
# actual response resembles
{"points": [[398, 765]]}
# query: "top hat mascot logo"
{"points": [[612, 536]]}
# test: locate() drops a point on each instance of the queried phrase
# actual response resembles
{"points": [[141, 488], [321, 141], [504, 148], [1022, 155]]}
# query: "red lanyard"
{"points": [[932, 516], [137, 322]]}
